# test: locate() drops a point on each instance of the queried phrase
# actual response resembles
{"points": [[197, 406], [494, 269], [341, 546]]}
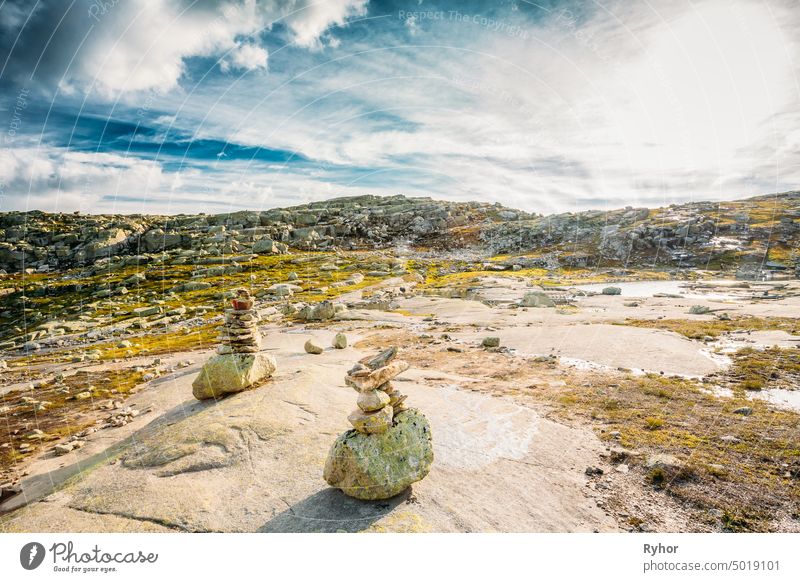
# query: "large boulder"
{"points": [[229, 373], [320, 312], [537, 299], [379, 466], [264, 246]]}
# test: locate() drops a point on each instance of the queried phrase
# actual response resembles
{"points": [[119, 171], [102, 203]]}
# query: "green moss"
{"points": [[63, 414], [700, 328], [657, 414]]}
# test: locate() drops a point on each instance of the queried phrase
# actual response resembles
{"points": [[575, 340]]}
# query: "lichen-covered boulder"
{"points": [[379, 466], [537, 299], [339, 341], [229, 373], [312, 348]]}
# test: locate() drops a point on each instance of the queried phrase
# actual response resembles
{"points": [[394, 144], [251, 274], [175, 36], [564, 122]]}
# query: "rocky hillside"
{"points": [[750, 236], [743, 235], [41, 241]]}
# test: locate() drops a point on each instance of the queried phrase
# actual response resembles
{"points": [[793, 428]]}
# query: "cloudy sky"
{"points": [[173, 106]]}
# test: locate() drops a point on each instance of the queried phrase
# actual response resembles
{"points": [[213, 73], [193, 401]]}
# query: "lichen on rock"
{"points": [[379, 466], [230, 373]]}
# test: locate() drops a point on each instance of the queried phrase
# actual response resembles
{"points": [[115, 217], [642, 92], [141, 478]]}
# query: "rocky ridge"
{"points": [[729, 235], [41, 241]]}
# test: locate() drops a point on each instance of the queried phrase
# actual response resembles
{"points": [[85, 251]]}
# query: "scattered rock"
{"points": [[664, 468], [322, 311], [537, 299], [312, 348], [63, 449], [612, 291], [491, 342], [339, 341]]}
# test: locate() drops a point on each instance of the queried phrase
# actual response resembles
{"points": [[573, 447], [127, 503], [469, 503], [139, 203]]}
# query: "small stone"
{"points": [[619, 454], [35, 435], [381, 360], [372, 422], [491, 342], [612, 291], [63, 449], [312, 348], [397, 401], [380, 376], [373, 400], [744, 411], [729, 439], [83, 395], [664, 467], [339, 341]]}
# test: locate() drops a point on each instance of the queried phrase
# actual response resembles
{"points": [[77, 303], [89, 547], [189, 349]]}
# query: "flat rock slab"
{"points": [[652, 350], [254, 462]]}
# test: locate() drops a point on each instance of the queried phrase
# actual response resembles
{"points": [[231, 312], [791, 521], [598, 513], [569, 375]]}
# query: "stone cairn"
{"points": [[239, 363], [391, 446], [240, 333], [378, 401]]}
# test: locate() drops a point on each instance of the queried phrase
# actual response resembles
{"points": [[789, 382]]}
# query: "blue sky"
{"points": [[169, 106]]}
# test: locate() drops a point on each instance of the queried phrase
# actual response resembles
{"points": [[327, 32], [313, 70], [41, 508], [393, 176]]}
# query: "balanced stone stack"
{"points": [[390, 447], [240, 334], [238, 364]]}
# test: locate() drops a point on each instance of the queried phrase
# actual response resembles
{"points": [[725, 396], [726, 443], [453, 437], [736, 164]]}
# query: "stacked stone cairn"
{"points": [[390, 447], [240, 333], [238, 364], [378, 401]]}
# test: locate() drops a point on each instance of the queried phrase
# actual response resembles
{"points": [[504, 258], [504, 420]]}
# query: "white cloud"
{"points": [[55, 179], [311, 18], [143, 45], [245, 57], [698, 100], [634, 106]]}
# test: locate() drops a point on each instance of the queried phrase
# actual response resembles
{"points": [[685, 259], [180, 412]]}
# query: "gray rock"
{"points": [[491, 342], [264, 246], [380, 466], [537, 299], [229, 373], [339, 341], [312, 348], [322, 311], [612, 291]]}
